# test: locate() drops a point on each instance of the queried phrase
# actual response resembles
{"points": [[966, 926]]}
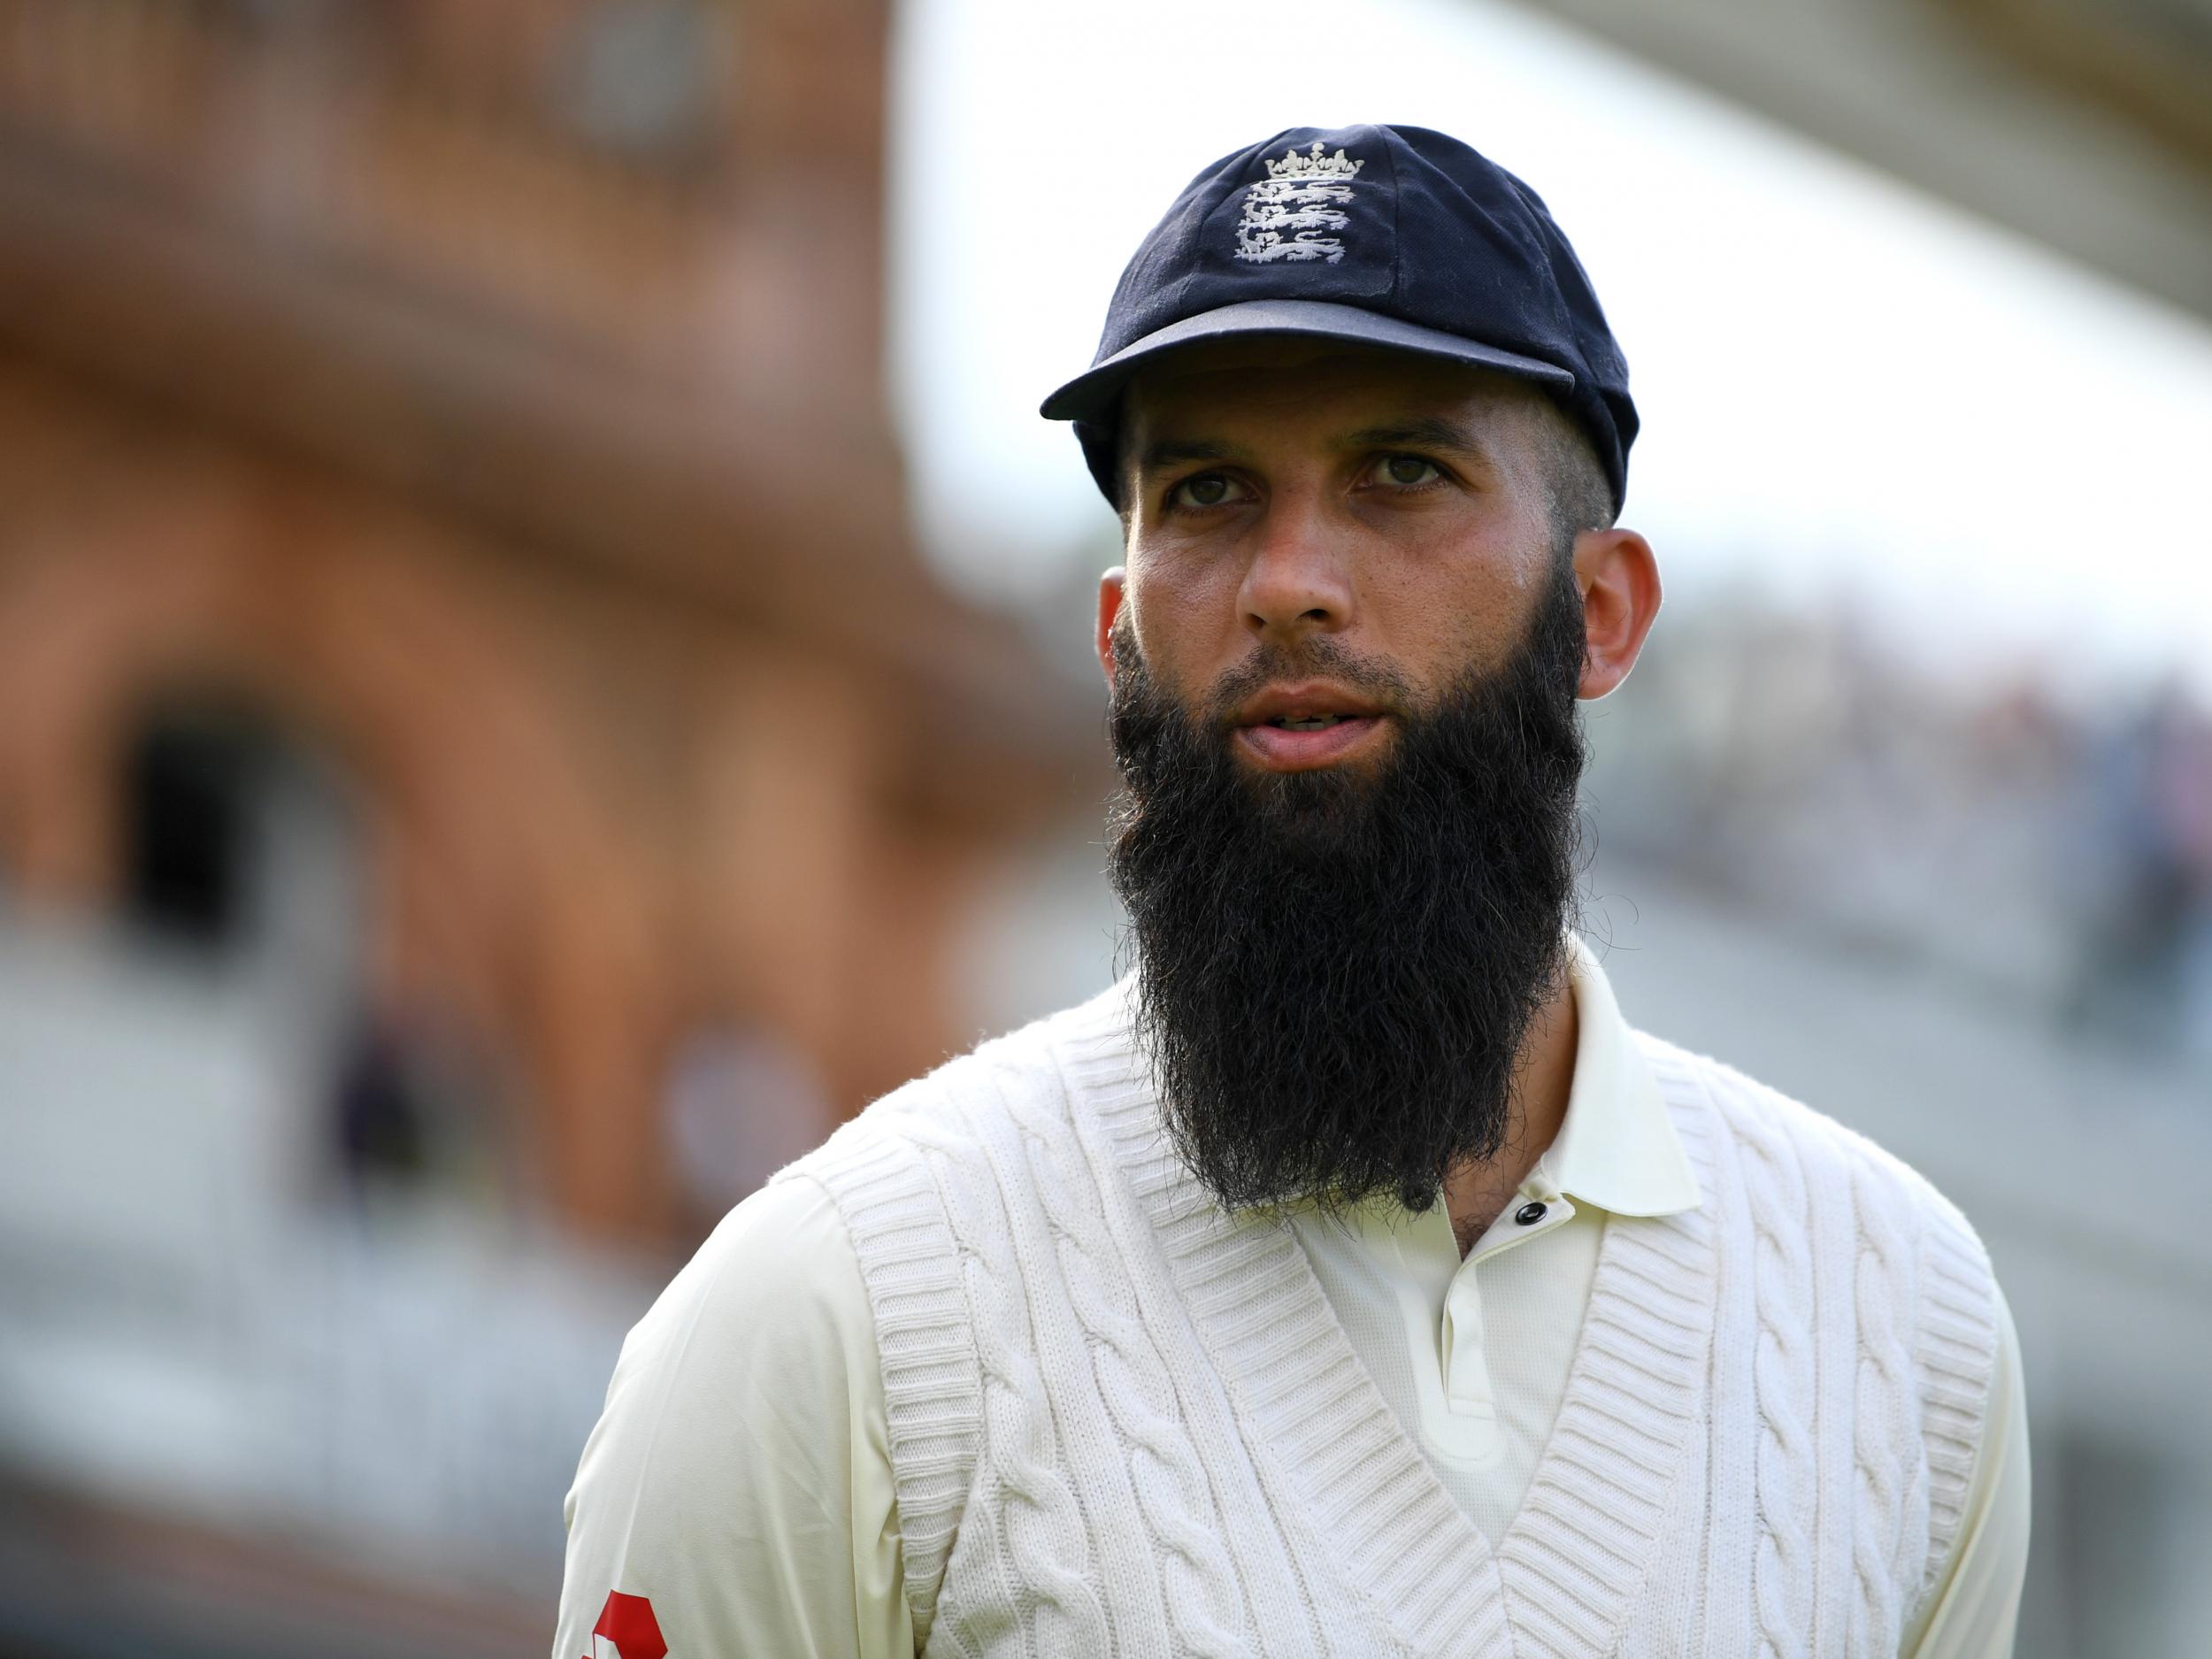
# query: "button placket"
{"points": [[1466, 1372], [1467, 1387]]}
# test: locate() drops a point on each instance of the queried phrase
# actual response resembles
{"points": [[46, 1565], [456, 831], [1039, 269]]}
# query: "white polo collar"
{"points": [[1617, 1147]]}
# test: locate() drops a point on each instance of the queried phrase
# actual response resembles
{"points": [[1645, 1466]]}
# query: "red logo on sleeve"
{"points": [[627, 1622]]}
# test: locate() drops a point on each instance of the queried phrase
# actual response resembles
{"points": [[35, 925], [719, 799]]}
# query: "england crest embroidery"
{"points": [[1288, 215]]}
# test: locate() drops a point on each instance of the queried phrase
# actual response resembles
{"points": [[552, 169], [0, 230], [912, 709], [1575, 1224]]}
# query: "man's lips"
{"points": [[1296, 728], [1294, 749]]}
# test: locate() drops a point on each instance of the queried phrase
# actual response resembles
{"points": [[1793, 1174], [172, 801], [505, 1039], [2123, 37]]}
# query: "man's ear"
{"points": [[1110, 587], [1618, 576]]}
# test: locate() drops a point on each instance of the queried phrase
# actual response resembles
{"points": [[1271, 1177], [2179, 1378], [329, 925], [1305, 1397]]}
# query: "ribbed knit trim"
{"points": [[932, 1372], [1568, 1566], [1957, 1355]]}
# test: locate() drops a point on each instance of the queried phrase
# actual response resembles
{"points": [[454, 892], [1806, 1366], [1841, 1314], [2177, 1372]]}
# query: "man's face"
{"points": [[1322, 538], [1344, 689], [1345, 655]]}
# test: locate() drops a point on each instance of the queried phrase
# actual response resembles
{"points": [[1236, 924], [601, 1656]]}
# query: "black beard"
{"points": [[1337, 970]]}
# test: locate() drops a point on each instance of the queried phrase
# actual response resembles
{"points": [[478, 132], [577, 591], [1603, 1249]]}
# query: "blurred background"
{"points": [[543, 661]]}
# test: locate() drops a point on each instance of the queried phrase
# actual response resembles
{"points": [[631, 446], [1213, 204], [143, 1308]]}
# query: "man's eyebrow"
{"points": [[1165, 452], [1424, 431]]}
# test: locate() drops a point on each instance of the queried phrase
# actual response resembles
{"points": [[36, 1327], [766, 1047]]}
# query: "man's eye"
{"points": [[1207, 490], [1410, 469]]}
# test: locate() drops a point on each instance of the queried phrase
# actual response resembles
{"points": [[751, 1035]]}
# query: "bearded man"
{"points": [[1351, 1278]]}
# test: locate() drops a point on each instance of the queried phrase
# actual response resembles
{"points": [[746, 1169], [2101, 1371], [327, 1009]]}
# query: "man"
{"points": [[1352, 1279]]}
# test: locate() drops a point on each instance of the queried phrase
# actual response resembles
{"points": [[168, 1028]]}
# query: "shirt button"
{"points": [[1529, 1215]]}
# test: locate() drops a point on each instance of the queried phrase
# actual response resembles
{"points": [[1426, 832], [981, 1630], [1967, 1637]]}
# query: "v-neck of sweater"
{"points": [[1473, 1354], [1585, 1535]]}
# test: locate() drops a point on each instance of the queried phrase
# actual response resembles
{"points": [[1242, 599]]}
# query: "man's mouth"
{"points": [[1299, 726], [1302, 742]]}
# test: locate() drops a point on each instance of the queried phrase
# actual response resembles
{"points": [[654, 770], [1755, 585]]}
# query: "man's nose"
{"points": [[1296, 583]]}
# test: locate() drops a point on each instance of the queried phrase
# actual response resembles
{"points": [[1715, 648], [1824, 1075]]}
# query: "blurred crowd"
{"points": [[2051, 846]]}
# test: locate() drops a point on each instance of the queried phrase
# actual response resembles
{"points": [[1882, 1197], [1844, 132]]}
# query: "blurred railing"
{"points": [[322, 147]]}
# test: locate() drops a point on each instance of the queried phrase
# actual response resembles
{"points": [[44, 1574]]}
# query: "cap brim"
{"points": [[1091, 394]]}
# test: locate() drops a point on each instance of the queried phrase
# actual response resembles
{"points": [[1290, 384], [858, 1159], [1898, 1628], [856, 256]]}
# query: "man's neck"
{"points": [[1544, 1075]]}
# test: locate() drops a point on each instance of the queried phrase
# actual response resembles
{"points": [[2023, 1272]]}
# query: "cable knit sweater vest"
{"points": [[1126, 1422]]}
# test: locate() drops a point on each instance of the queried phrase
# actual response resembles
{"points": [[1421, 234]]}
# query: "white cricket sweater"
{"points": [[1124, 1421]]}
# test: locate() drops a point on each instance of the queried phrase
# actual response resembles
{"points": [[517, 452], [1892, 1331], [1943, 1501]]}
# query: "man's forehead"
{"points": [[1269, 377]]}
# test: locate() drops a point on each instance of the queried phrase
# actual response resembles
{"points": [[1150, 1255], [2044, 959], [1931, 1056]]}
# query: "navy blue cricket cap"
{"points": [[1391, 236]]}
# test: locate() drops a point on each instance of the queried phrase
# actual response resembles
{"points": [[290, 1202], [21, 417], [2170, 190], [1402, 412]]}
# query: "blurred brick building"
{"points": [[452, 549]]}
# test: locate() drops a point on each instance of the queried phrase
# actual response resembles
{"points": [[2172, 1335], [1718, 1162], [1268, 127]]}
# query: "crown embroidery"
{"points": [[1288, 213]]}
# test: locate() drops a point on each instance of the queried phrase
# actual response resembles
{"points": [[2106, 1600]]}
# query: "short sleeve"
{"points": [[1977, 1603], [736, 1495]]}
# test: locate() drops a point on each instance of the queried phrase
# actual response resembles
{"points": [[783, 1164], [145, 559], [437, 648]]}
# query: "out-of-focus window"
{"points": [[191, 790]]}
